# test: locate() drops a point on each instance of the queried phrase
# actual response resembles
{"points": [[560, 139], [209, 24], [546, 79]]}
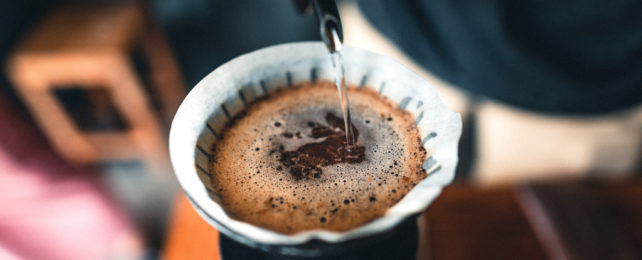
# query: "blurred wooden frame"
{"points": [[90, 46]]}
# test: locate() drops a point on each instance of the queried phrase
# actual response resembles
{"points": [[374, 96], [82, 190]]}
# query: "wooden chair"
{"points": [[95, 49]]}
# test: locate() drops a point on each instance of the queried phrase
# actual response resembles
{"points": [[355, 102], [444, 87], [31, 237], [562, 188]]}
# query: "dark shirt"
{"points": [[574, 56]]}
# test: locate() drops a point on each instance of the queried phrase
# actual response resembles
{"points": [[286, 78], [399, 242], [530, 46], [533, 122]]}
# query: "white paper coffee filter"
{"points": [[224, 92]]}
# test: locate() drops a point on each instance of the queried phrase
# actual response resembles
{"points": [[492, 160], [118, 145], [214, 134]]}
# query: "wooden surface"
{"points": [[625, 202], [463, 223], [582, 220], [469, 223]]}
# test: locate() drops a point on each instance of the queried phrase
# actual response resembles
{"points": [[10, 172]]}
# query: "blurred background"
{"points": [[550, 94]]}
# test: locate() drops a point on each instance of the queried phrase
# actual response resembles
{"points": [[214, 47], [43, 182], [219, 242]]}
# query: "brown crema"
{"points": [[283, 164]]}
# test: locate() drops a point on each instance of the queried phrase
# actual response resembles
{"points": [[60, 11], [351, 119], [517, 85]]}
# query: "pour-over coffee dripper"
{"points": [[226, 91]]}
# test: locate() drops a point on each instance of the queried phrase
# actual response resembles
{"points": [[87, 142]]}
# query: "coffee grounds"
{"points": [[307, 161]]}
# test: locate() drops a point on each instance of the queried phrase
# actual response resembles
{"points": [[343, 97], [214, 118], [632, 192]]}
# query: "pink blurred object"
{"points": [[49, 209]]}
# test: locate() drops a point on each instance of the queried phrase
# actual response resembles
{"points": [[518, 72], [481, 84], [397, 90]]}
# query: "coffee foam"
{"points": [[256, 187]]}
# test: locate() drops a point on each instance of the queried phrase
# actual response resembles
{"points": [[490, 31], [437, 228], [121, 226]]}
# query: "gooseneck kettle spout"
{"points": [[328, 19]]}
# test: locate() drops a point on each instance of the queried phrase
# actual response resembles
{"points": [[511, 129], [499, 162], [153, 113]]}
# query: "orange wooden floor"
{"points": [[189, 236]]}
